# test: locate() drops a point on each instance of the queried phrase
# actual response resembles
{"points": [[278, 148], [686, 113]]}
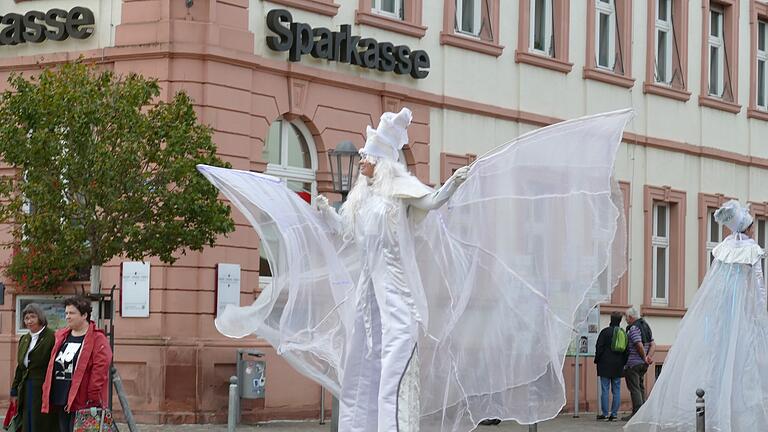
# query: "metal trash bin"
{"points": [[251, 376]]}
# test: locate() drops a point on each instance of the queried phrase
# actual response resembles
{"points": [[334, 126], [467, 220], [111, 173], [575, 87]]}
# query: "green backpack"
{"points": [[619, 340]]}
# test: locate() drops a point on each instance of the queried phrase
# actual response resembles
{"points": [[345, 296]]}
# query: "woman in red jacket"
{"points": [[78, 372]]}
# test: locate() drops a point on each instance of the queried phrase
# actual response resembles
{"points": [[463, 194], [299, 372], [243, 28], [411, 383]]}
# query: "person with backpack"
{"points": [[640, 349], [610, 356]]}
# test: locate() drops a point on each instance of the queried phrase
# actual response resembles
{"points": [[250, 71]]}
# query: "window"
{"points": [[761, 235], [397, 16], [664, 41], [468, 17], [289, 156], [719, 55], [389, 8], [609, 42], [667, 53], [711, 233], [714, 235], [664, 251], [762, 59], [605, 33], [541, 27], [543, 34], [716, 53], [472, 25], [660, 256]]}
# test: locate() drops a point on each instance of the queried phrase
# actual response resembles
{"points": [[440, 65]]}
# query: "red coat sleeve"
{"points": [[102, 359]]}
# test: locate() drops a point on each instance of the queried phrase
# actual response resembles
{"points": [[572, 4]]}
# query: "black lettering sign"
{"points": [[56, 25], [300, 39]]}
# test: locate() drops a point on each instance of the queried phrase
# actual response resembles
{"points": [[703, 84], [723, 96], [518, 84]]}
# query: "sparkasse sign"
{"points": [[341, 46], [37, 26]]}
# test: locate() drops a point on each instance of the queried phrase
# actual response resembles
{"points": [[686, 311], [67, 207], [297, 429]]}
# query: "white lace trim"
{"points": [[408, 408]]}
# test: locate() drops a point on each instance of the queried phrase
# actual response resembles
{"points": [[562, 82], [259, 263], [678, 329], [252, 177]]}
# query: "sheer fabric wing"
{"points": [[531, 241], [304, 312]]}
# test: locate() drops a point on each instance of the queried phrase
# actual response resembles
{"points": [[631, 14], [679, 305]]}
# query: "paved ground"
{"points": [[563, 423]]}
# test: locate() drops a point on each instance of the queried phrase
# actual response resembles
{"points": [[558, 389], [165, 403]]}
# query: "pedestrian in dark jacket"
{"points": [[78, 371], [31, 363], [610, 364]]}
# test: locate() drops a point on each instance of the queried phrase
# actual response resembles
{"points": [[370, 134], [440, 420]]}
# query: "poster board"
{"points": [[134, 292], [227, 286]]}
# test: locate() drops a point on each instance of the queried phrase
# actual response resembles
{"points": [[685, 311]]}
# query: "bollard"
{"points": [[233, 405], [700, 410], [533, 427], [322, 405]]}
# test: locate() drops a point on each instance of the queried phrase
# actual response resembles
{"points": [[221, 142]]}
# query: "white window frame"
{"points": [[718, 42], [664, 26], [762, 57], [710, 243], [660, 242], [761, 236], [477, 22], [397, 14], [288, 173], [606, 8], [548, 30]]}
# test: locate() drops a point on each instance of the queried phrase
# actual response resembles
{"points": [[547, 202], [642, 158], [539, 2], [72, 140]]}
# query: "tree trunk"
{"points": [[95, 279]]}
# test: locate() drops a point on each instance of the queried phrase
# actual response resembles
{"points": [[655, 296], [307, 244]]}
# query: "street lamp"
{"points": [[344, 166]]}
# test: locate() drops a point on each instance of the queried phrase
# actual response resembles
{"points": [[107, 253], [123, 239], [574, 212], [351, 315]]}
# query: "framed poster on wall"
{"points": [[134, 292], [227, 286], [51, 305]]}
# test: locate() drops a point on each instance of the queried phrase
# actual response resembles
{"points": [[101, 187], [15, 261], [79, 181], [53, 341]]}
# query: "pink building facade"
{"points": [[494, 73]]}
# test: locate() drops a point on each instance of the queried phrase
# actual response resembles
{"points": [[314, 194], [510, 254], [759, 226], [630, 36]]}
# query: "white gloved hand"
{"points": [[322, 203], [460, 175]]}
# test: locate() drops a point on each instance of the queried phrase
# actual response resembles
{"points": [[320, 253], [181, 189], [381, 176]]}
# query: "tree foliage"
{"points": [[101, 169]]}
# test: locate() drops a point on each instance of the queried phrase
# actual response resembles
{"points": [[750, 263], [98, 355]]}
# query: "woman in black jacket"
{"points": [[610, 364], [31, 365]]}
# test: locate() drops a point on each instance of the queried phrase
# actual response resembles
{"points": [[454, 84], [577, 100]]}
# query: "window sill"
{"points": [[391, 24], [552, 63], [327, 8], [757, 114], [666, 91], [712, 102], [472, 44], [608, 77], [608, 308], [662, 311]]}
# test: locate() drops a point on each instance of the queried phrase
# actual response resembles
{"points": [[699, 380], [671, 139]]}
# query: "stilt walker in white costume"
{"points": [[721, 344], [430, 310]]}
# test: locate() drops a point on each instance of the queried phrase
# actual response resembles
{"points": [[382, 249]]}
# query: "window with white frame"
{"points": [[761, 235], [714, 235], [762, 64], [291, 156], [664, 41], [541, 28], [388, 8], [605, 33], [716, 52], [660, 257], [468, 17]]}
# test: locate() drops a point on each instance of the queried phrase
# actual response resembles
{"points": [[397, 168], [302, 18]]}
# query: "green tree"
{"points": [[100, 169]]}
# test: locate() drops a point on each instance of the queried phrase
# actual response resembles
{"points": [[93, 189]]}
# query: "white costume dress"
{"points": [[721, 348], [485, 291]]}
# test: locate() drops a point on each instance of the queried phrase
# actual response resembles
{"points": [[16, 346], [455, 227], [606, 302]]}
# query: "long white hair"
{"points": [[381, 184]]}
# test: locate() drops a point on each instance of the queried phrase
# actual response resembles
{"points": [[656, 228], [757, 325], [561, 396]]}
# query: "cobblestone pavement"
{"points": [[564, 423]]}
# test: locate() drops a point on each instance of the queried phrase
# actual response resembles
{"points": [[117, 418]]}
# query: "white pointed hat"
{"points": [[389, 137], [735, 216]]}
